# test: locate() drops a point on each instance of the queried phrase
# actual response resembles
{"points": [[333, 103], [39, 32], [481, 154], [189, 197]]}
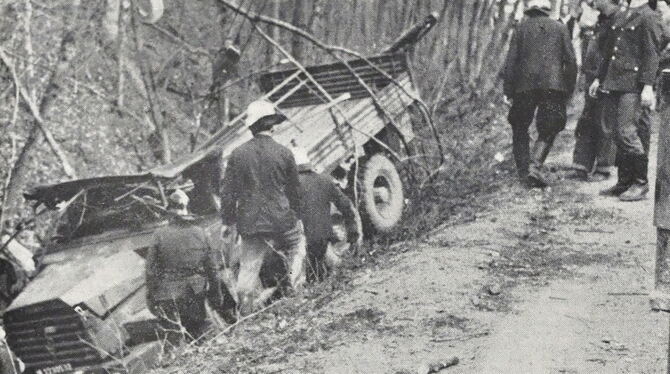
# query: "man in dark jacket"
{"points": [[627, 75], [180, 267], [260, 194], [595, 151], [540, 75], [318, 193]]}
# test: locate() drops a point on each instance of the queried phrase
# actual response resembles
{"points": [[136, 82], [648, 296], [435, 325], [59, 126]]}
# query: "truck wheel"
{"points": [[382, 197]]}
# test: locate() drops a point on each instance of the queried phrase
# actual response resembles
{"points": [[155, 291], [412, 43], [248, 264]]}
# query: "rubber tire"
{"points": [[381, 221]]}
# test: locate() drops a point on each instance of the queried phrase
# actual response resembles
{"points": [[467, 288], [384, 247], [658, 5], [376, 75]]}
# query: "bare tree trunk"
{"points": [[20, 171], [298, 19], [163, 151], [270, 56]]}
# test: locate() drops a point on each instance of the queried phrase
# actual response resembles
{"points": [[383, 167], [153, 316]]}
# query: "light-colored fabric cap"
{"points": [[540, 4], [257, 110]]}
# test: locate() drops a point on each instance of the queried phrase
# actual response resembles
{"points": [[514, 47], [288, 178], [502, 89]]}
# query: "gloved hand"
{"points": [[593, 89]]}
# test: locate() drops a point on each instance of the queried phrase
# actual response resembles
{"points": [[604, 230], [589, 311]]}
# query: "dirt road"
{"points": [[552, 281]]}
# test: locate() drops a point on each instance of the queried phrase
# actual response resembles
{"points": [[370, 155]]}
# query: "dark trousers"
{"points": [[623, 112], [662, 276], [316, 266], [549, 110], [595, 148], [188, 312], [647, 119]]}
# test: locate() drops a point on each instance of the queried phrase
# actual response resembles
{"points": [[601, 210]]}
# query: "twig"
{"points": [[628, 293], [372, 292], [247, 317], [462, 337], [176, 39], [557, 298], [595, 230], [585, 322]]}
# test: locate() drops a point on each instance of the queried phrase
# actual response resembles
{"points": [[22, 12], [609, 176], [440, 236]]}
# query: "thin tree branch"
{"points": [[37, 116], [177, 40]]}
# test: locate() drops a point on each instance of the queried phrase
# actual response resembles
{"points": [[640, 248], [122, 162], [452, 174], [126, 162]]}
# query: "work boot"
{"points": [[624, 178], [521, 153], [635, 192], [538, 156], [638, 190]]}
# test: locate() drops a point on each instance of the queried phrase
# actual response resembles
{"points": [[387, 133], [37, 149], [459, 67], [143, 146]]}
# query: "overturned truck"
{"points": [[86, 310]]}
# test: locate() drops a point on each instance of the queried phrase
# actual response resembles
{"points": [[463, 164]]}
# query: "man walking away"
{"points": [[630, 48], [595, 151], [180, 267], [318, 193], [260, 195], [539, 76]]}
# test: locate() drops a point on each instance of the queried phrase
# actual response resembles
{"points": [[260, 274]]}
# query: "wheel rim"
{"points": [[382, 195]]}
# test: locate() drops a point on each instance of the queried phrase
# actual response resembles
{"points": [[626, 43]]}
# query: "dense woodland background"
{"points": [[88, 88]]}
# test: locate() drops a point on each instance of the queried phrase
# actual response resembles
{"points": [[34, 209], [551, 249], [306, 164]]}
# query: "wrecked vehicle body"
{"points": [[86, 311]]}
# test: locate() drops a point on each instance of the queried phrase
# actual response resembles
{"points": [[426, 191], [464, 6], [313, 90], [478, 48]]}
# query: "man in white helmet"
{"points": [[260, 194]]}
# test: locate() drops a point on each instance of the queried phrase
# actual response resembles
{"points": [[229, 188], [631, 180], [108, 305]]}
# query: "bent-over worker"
{"points": [[318, 193]]}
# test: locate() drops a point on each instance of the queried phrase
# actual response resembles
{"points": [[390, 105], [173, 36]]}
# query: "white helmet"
{"points": [[540, 4], [261, 109]]}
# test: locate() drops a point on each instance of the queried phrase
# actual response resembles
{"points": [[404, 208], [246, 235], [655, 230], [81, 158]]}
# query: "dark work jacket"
{"points": [[182, 259], [630, 50], [260, 188], [593, 58], [540, 57], [318, 193]]}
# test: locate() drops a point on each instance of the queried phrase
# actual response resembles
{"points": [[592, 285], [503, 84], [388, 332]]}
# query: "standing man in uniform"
{"points": [[626, 77], [260, 195], [539, 77], [180, 267], [595, 151]]}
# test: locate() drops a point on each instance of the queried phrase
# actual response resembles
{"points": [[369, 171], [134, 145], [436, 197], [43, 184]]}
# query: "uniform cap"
{"points": [[261, 109], [178, 201]]}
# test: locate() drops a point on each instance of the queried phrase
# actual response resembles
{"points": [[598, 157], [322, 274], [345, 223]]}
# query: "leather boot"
{"points": [[521, 152], [640, 186], [624, 177], [538, 156]]}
